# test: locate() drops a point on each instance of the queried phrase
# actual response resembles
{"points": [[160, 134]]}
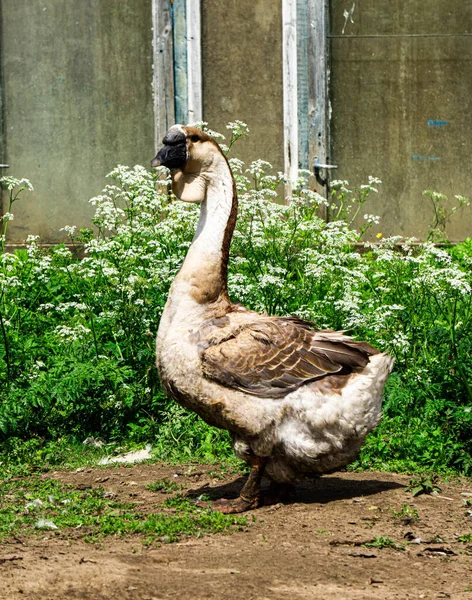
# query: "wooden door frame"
{"points": [[168, 57], [305, 66], [305, 63]]}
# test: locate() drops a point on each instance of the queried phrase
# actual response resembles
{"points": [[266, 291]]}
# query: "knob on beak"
{"points": [[171, 156]]}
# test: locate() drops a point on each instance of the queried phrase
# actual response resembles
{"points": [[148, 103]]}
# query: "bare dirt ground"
{"points": [[311, 548]]}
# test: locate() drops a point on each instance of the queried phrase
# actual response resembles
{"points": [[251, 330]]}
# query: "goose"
{"points": [[297, 402]]}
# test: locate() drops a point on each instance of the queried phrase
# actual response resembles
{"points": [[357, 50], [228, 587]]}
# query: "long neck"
{"points": [[205, 267]]}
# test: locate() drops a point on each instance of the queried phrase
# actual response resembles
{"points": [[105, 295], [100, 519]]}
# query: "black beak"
{"points": [[173, 155]]}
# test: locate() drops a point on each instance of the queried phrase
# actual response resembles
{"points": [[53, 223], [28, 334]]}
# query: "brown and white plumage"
{"points": [[297, 402], [273, 356]]}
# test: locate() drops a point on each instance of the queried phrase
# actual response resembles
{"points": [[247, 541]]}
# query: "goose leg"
{"points": [[250, 495]]}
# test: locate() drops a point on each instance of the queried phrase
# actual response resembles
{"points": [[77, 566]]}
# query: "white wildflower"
{"points": [[372, 219]]}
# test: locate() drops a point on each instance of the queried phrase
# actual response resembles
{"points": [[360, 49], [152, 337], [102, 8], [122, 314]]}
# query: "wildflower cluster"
{"points": [[78, 323]]}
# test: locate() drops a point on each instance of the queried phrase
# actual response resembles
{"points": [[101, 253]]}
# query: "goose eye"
{"points": [[194, 138]]}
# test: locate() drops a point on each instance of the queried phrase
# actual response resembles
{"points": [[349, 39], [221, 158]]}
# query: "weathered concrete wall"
{"points": [[242, 73], [78, 101], [401, 106]]}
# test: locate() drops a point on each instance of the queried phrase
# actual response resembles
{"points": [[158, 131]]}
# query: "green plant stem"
{"points": [[94, 335], [7, 348], [455, 353], [5, 224]]}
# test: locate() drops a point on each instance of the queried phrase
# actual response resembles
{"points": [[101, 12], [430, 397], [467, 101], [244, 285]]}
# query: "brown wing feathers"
{"points": [[274, 356]]}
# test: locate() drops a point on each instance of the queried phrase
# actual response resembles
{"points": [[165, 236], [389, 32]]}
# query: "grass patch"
{"points": [[20, 458], [167, 486], [29, 504]]}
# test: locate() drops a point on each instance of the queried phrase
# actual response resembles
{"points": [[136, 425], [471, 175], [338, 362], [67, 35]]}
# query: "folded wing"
{"points": [[273, 356]]}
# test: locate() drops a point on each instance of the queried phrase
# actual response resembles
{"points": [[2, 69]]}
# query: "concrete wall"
{"points": [[401, 106], [78, 101], [77, 90], [242, 73]]}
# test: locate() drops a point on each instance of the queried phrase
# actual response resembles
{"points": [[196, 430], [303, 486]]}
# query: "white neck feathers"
{"points": [[204, 268]]}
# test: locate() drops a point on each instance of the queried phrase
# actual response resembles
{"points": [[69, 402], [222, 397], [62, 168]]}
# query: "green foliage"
{"points": [[423, 485], [383, 541], [164, 485], [184, 436], [406, 514], [20, 457], [77, 335], [442, 214]]}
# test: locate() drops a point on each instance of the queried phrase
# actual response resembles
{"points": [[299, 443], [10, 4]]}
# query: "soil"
{"points": [[311, 548]]}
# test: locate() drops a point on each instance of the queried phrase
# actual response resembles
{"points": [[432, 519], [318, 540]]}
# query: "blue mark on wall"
{"points": [[420, 157], [436, 123]]}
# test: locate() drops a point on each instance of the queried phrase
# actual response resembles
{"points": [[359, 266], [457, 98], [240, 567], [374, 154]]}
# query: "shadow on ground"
{"points": [[320, 491]]}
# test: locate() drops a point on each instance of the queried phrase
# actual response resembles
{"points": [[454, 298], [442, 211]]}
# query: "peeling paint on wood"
{"points": [[289, 67], [303, 67], [179, 24], [194, 60], [163, 80], [347, 14], [318, 84]]}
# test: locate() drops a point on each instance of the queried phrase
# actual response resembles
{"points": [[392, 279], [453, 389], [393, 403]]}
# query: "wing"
{"points": [[272, 357]]}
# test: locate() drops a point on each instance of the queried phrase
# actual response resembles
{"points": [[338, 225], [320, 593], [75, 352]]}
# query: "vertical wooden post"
{"points": [[163, 80], [303, 68], [194, 61], [290, 91], [179, 24], [318, 84], [3, 146]]}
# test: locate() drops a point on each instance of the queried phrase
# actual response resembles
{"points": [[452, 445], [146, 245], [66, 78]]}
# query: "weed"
{"points": [[465, 539], [427, 484], [406, 514], [164, 485], [442, 215], [178, 501], [382, 541]]}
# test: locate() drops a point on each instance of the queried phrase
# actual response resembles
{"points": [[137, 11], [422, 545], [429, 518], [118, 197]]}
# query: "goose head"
{"points": [[194, 160]]}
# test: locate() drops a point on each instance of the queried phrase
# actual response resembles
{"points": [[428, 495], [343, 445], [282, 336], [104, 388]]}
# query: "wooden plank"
{"points": [[318, 84], [194, 61], [290, 99], [179, 25], [163, 80], [303, 67], [3, 149]]}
